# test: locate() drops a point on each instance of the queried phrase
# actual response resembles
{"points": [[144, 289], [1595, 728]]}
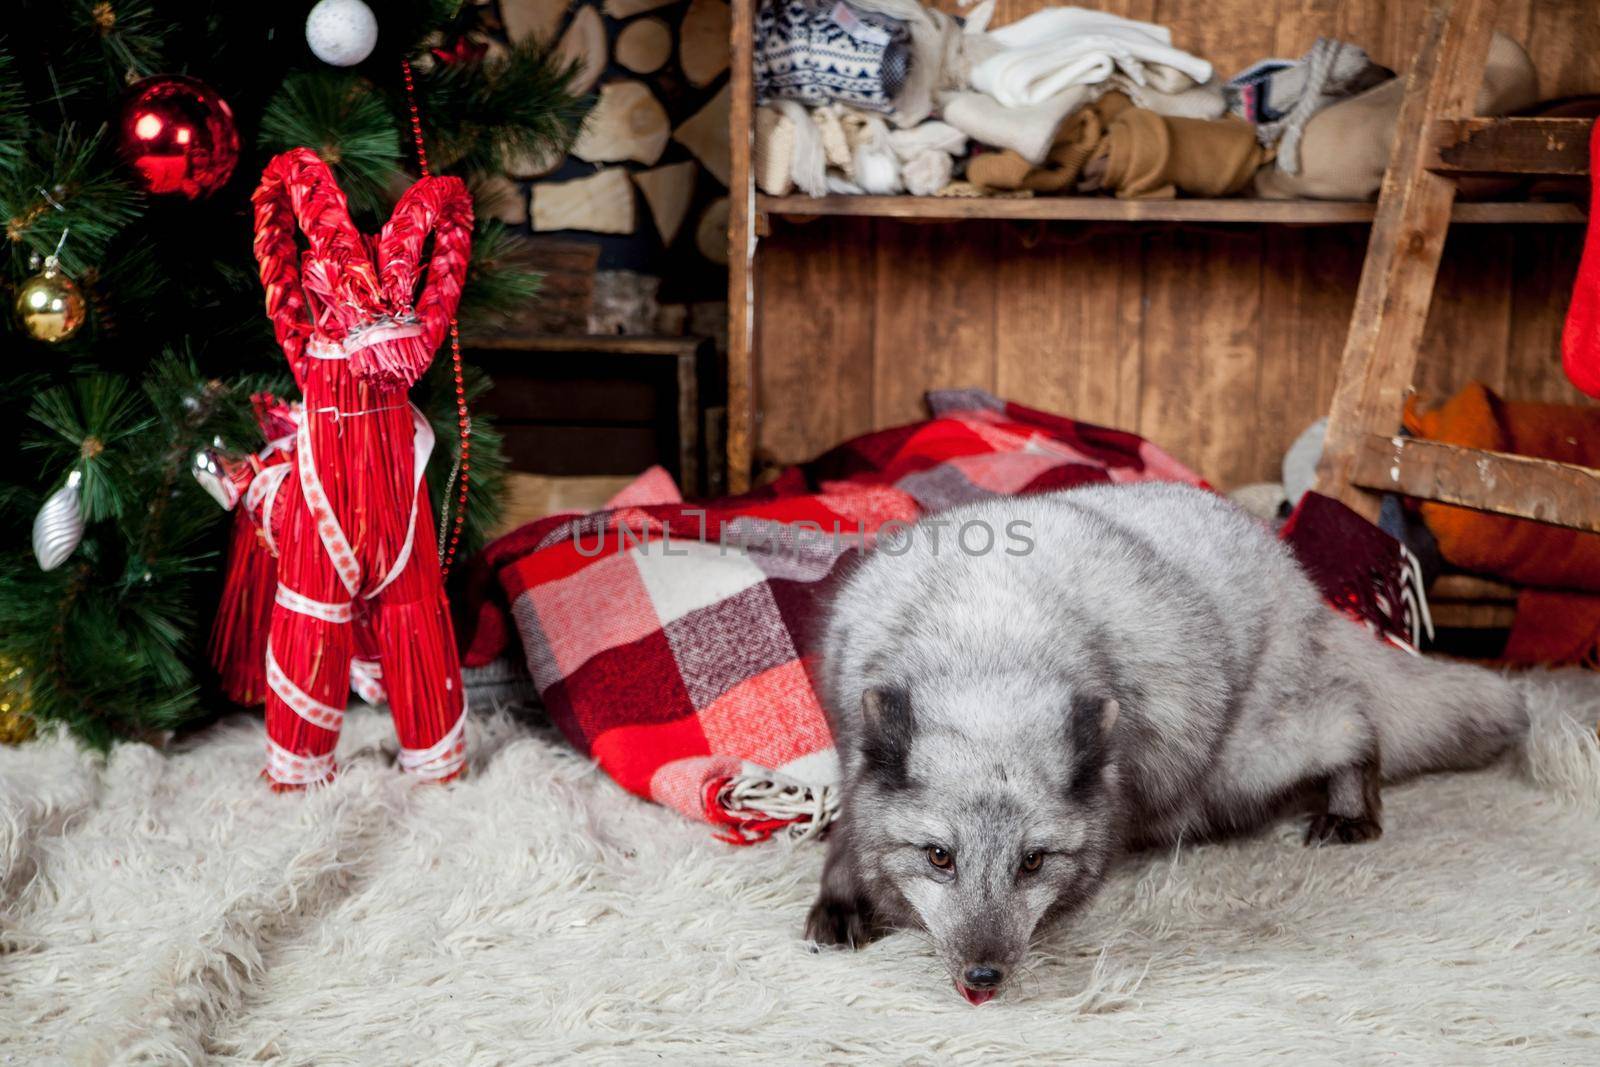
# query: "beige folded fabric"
{"points": [[1176, 95], [772, 157], [1031, 131], [835, 142], [1027, 131], [1345, 148]]}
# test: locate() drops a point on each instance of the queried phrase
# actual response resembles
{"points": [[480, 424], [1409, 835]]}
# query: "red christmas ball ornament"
{"points": [[178, 136]]}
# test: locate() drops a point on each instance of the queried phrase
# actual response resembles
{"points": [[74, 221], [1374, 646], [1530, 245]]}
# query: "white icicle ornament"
{"points": [[58, 527]]}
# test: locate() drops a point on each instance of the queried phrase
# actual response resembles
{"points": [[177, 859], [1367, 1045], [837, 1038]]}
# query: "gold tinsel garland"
{"points": [[16, 725]]}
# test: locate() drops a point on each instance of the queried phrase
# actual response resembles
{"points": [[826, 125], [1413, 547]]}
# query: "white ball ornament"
{"points": [[341, 32]]}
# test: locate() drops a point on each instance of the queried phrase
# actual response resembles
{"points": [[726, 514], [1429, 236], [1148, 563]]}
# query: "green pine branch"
{"points": [[127, 35], [14, 128], [501, 276], [124, 291], [112, 641], [403, 26], [110, 638], [102, 665], [66, 183], [347, 123], [435, 397], [481, 116], [87, 425], [91, 49]]}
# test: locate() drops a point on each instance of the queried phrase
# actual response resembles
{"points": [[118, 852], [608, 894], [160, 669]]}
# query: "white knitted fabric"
{"points": [[808, 164], [1059, 47]]}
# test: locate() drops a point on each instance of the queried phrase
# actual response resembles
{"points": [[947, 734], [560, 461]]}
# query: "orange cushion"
{"points": [[1524, 552], [1559, 629]]}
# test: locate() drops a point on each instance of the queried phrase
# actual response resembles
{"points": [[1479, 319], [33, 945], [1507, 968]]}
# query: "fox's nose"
{"points": [[982, 977]]}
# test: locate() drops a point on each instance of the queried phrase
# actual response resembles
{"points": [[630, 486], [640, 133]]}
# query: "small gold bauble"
{"points": [[16, 725], [51, 305]]}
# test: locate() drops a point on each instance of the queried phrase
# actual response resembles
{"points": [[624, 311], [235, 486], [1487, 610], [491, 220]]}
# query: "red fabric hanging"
{"points": [[1580, 340]]}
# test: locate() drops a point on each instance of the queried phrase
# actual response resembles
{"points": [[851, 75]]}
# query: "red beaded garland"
{"points": [[463, 417], [466, 448], [416, 117]]}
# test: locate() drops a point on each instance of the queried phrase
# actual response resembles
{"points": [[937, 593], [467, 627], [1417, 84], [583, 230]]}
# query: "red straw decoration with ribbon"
{"points": [[359, 599]]}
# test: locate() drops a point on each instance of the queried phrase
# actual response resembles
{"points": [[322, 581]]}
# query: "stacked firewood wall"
{"points": [[632, 223]]}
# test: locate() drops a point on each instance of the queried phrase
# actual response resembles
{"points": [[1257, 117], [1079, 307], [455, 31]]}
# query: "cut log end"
{"points": [[705, 134], [500, 198], [703, 41], [600, 203], [627, 123], [667, 190], [534, 164], [644, 45], [584, 43], [531, 19], [711, 235], [621, 9]]}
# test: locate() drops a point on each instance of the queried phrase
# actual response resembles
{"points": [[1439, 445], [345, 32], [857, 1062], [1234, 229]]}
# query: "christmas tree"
{"points": [[132, 320]]}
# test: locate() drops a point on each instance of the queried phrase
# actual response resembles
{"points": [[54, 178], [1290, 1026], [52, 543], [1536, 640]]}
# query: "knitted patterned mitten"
{"points": [[1580, 342]]}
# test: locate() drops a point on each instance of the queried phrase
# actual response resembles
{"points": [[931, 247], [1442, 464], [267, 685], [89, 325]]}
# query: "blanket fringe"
{"points": [[754, 807]]}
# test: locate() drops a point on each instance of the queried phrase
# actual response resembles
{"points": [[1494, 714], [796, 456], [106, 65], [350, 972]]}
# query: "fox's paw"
{"points": [[845, 921], [1344, 829]]}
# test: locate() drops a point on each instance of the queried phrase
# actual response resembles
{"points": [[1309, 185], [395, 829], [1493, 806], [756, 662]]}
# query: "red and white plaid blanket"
{"points": [[668, 640]]}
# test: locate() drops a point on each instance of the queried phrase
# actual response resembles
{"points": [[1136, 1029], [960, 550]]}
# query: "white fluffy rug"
{"points": [[168, 908]]}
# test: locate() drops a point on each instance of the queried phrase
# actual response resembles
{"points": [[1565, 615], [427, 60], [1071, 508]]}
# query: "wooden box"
{"points": [[601, 405]]}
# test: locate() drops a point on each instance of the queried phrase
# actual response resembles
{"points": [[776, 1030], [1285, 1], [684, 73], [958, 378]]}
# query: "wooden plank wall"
{"points": [[1218, 342]]}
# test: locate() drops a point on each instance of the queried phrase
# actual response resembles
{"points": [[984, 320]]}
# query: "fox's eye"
{"points": [[940, 858], [1032, 861]]}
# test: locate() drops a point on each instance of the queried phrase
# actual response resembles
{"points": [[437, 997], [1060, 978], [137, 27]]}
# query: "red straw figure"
{"points": [[357, 570]]}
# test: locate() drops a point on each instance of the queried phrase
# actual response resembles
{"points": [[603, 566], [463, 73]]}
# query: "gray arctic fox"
{"points": [[1156, 666]]}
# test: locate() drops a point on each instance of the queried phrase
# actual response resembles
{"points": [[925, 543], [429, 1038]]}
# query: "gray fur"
{"points": [[1157, 667]]}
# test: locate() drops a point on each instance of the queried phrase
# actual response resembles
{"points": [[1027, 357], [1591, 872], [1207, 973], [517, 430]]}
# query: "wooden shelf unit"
{"points": [[1108, 209], [1214, 336]]}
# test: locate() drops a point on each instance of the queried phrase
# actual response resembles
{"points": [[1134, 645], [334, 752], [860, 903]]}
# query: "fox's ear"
{"points": [[887, 728], [1109, 710], [1089, 726], [1092, 717]]}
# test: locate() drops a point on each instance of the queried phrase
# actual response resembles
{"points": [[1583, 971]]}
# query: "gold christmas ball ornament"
{"points": [[16, 725], [51, 305]]}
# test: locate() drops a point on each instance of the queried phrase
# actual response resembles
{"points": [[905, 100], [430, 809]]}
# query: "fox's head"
{"points": [[983, 823]]}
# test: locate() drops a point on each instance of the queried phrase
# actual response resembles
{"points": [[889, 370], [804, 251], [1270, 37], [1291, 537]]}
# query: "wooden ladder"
{"points": [[1436, 141]]}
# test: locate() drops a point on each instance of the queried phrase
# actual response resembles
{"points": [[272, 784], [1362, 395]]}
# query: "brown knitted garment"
{"points": [[1136, 153], [1150, 156], [1074, 143]]}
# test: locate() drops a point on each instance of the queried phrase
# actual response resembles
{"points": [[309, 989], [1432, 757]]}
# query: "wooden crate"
{"points": [[601, 405]]}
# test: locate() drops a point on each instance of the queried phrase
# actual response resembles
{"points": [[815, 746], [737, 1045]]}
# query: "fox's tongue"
{"points": [[975, 996]]}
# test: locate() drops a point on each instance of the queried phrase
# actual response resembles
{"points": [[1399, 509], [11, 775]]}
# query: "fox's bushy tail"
{"points": [[1433, 714]]}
